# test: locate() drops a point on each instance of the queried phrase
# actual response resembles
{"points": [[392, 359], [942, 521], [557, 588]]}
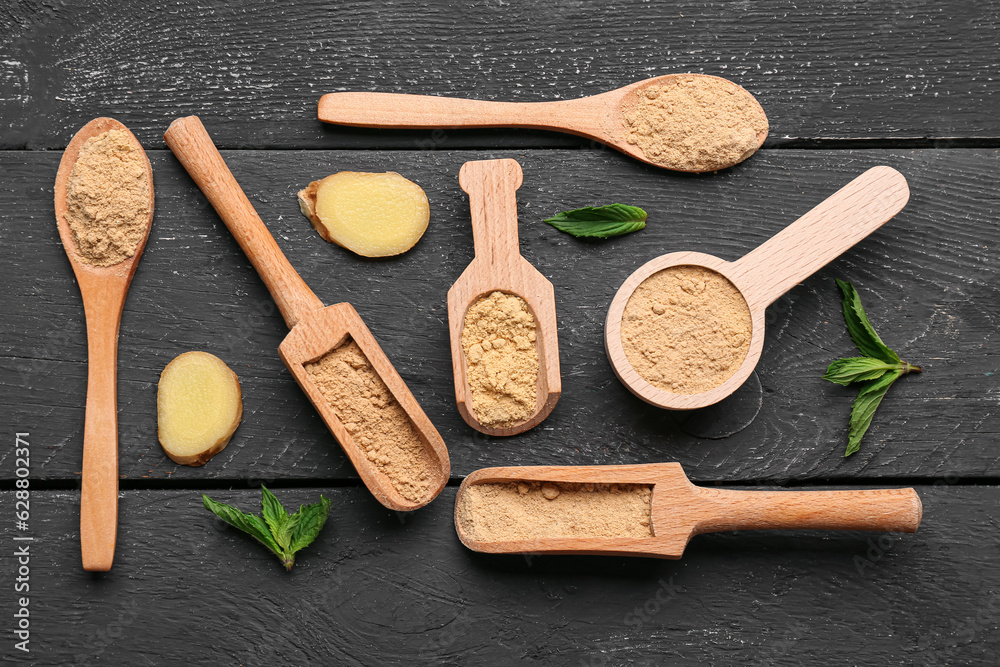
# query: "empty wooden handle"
{"points": [[399, 111], [822, 234], [99, 489], [492, 187], [897, 510], [192, 145]]}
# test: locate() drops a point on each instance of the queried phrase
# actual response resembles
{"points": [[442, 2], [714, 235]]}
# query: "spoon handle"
{"points": [[822, 234], [394, 110], [102, 303], [192, 145], [492, 185], [896, 510]]}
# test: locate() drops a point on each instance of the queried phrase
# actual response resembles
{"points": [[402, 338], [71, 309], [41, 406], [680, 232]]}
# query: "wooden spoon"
{"points": [[763, 275], [498, 265], [598, 117], [315, 330], [103, 289], [680, 510]]}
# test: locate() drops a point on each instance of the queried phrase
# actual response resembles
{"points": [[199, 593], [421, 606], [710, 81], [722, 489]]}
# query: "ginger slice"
{"points": [[198, 407], [373, 215]]}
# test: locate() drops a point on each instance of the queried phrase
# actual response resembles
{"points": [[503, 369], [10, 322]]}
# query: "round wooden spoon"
{"points": [[103, 289], [499, 266], [679, 510], [763, 275], [598, 117]]}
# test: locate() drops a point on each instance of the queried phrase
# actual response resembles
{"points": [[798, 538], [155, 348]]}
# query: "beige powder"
{"points": [[695, 123], [375, 420], [526, 510], [686, 329], [107, 198], [501, 359]]}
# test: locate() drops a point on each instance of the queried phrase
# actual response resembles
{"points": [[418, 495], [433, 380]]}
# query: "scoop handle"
{"points": [[192, 145], [895, 510], [821, 235], [492, 185]]}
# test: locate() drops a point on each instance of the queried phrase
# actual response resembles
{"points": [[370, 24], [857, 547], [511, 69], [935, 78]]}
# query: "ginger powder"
{"points": [[107, 199], [501, 360], [500, 512], [695, 123], [686, 329]]}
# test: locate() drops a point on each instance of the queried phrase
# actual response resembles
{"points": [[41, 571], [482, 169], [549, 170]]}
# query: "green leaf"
{"points": [[276, 517], [310, 521], [251, 524], [599, 221], [863, 410], [857, 369], [861, 330]]}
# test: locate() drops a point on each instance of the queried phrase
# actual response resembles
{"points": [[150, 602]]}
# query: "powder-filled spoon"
{"points": [[755, 281], [694, 122], [104, 269], [499, 267], [554, 519], [318, 332]]}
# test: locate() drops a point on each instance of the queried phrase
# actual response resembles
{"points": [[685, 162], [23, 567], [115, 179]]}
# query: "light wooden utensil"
{"points": [[680, 510], [498, 266], [103, 289], [315, 330], [598, 117], [763, 275]]}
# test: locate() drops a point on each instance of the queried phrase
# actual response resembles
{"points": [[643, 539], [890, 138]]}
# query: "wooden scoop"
{"points": [[598, 117], [680, 510], [763, 275], [103, 289], [498, 266], [315, 330]]}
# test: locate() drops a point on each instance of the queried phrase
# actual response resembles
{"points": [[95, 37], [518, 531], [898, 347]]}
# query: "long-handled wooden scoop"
{"points": [[680, 510], [499, 266], [598, 117], [763, 275], [103, 289], [315, 330]]}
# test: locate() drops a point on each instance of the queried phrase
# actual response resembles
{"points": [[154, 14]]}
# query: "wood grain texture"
{"points": [[597, 117], [680, 510], [256, 70], [378, 588], [928, 280], [315, 330], [764, 274], [498, 265], [103, 290]]}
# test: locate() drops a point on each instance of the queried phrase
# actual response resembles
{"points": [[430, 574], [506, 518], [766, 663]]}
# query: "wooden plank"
{"points": [[377, 588], [255, 71], [928, 279]]}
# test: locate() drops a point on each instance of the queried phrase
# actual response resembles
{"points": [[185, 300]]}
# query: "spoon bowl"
{"points": [[103, 290], [499, 266], [597, 117], [763, 275]]}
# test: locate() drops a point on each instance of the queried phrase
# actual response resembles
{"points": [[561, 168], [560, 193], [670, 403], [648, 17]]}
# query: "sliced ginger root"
{"points": [[373, 215], [198, 407]]}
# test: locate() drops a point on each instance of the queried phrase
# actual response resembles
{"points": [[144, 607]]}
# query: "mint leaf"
{"points": [[280, 532], [863, 410], [250, 524], [309, 521], [599, 221], [857, 369], [861, 330], [878, 369]]}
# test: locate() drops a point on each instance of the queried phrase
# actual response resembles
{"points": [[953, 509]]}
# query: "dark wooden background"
{"points": [[911, 84]]}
